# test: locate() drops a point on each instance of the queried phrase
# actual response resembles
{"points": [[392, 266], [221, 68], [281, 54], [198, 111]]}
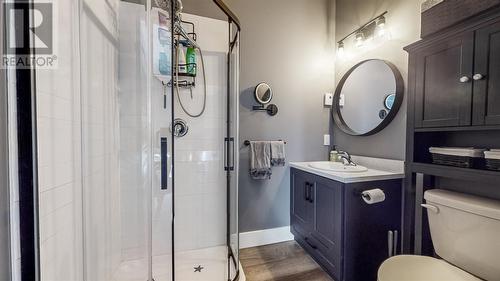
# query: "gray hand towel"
{"points": [[260, 160], [278, 153]]}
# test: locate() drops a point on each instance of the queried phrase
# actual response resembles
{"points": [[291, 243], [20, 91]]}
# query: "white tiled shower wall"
{"points": [[78, 146], [101, 138], [59, 154], [135, 138], [200, 181]]}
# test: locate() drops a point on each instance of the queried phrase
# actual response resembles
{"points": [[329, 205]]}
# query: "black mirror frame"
{"points": [[337, 116], [256, 96]]}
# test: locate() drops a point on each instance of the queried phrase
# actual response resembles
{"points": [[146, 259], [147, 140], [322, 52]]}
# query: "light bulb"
{"points": [[340, 50], [380, 28], [360, 37]]}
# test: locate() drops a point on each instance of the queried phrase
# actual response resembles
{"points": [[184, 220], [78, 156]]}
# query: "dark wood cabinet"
{"points": [[444, 88], [453, 101], [487, 76], [346, 236], [457, 79]]}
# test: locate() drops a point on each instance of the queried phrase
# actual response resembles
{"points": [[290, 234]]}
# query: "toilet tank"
{"points": [[465, 231]]}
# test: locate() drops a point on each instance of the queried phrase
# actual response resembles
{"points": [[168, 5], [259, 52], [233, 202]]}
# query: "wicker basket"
{"points": [[458, 157], [492, 159]]}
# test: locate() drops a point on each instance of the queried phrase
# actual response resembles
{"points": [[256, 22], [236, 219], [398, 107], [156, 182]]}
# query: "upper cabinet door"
{"points": [[487, 76], [444, 83]]}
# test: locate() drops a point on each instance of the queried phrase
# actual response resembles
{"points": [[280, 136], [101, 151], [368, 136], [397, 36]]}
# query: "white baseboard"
{"points": [[265, 237]]}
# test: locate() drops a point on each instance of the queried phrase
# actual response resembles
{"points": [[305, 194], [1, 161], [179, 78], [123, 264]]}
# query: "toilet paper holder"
{"points": [[360, 193]]}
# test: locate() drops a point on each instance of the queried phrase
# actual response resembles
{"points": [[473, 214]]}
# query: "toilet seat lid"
{"points": [[421, 268]]}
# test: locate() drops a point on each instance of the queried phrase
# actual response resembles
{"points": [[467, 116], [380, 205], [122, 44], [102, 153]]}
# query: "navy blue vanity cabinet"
{"points": [[346, 236]]}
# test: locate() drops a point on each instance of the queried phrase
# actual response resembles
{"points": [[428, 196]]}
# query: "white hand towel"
{"points": [[278, 153], [260, 160]]}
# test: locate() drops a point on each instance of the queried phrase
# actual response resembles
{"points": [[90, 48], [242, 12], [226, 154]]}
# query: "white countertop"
{"points": [[378, 169]]}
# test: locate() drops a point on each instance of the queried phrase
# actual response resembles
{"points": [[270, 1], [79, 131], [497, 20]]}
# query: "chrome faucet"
{"points": [[346, 157]]}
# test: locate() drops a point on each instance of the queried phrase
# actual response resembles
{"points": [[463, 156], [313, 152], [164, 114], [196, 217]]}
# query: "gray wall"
{"points": [[403, 21], [287, 44], [4, 183]]}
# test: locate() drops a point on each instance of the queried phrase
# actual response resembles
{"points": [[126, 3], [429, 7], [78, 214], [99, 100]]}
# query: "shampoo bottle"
{"points": [[191, 61], [181, 60]]}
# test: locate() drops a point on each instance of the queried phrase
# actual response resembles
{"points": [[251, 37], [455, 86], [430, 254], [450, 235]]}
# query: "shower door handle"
{"points": [[164, 163], [229, 163]]}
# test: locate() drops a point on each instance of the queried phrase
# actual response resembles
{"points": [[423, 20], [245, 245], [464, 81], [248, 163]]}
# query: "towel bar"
{"points": [[247, 142]]}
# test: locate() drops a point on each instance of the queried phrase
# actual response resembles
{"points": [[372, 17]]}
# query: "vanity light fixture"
{"points": [[374, 27]]}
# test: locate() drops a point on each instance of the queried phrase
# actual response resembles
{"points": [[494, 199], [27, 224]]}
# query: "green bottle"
{"points": [[191, 61]]}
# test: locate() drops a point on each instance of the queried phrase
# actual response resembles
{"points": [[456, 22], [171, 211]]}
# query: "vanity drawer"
{"points": [[322, 255]]}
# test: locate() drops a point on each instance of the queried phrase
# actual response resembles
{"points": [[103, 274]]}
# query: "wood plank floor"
{"points": [[280, 262]]}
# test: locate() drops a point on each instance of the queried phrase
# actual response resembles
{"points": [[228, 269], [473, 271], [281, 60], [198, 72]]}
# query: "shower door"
{"points": [[205, 196], [126, 142], [232, 151]]}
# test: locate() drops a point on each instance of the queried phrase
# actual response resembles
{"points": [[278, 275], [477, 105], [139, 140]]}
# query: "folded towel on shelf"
{"points": [[278, 153], [260, 160]]}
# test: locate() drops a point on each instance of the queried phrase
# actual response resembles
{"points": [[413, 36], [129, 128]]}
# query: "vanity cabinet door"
{"points": [[300, 205], [444, 83], [487, 76], [327, 227]]}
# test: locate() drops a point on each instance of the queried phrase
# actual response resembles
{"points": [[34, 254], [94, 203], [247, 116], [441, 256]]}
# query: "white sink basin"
{"points": [[337, 167]]}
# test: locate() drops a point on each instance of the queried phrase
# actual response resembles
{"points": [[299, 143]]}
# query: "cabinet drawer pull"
{"points": [[464, 79], [478, 77]]}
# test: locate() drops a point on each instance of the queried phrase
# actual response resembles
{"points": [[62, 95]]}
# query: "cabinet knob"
{"points": [[464, 79], [478, 77]]}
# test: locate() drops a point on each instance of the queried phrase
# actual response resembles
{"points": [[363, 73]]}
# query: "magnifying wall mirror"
{"points": [[368, 97], [263, 93]]}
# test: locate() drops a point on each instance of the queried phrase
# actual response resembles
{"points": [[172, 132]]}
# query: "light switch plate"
{"points": [[328, 99], [326, 140]]}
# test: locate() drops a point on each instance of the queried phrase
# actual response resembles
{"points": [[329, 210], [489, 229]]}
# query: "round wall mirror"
{"points": [[368, 97], [263, 93]]}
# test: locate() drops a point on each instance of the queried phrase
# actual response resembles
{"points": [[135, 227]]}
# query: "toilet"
{"points": [[465, 232]]}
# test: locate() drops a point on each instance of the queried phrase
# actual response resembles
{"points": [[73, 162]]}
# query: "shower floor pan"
{"points": [[208, 264]]}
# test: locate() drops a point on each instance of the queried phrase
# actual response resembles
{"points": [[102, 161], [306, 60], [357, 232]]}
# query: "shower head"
{"points": [[178, 7]]}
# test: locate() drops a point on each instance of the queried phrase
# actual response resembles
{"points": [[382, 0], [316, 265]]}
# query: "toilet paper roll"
{"points": [[373, 196]]}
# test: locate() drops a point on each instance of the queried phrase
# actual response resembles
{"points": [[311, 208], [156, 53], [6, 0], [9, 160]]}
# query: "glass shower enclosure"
{"points": [[136, 138]]}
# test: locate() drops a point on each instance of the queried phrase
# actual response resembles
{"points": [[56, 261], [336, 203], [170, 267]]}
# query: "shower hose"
{"points": [[191, 87]]}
